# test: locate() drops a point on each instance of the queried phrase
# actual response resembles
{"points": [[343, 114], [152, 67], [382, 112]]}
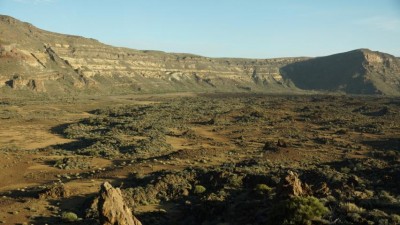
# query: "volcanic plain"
{"points": [[203, 158]]}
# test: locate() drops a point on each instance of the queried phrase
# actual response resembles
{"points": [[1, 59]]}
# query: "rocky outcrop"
{"points": [[17, 83], [112, 209], [291, 186]]}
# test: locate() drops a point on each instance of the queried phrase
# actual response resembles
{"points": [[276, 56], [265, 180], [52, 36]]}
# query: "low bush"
{"points": [[263, 189], [199, 189], [297, 210], [69, 217], [351, 208]]}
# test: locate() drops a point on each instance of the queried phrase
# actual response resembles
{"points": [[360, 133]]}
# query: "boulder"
{"points": [[112, 208], [290, 186]]}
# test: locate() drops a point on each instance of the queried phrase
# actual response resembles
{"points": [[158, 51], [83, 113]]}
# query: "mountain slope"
{"points": [[360, 71], [65, 63], [35, 60]]}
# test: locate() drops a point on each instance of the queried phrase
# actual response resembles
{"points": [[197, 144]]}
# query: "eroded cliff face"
{"points": [[383, 70], [41, 61], [44, 61]]}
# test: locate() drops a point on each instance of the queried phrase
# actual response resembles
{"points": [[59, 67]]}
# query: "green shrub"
{"points": [[199, 189], [235, 180], [297, 210], [263, 189], [395, 218], [345, 170], [351, 208], [386, 197], [69, 217]]}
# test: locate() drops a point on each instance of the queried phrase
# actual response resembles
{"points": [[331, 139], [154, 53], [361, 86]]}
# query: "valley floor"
{"points": [[199, 159]]}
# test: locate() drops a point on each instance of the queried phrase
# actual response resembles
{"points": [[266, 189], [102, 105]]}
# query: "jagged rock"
{"points": [[36, 85], [112, 209], [290, 186], [16, 82]]}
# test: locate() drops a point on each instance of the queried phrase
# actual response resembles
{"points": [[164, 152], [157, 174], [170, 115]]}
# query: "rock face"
{"points": [[64, 64], [112, 209]]}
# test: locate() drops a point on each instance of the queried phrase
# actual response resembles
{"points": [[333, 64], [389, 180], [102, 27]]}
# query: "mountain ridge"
{"points": [[32, 59], [359, 71]]}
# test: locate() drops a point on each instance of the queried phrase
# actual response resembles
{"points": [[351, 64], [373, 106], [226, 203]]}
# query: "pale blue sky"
{"points": [[222, 28]]}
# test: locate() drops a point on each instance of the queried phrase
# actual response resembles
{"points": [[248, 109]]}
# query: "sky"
{"points": [[222, 28]]}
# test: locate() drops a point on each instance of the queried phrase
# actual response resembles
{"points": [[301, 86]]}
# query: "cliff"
{"points": [[39, 60], [35, 60]]}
